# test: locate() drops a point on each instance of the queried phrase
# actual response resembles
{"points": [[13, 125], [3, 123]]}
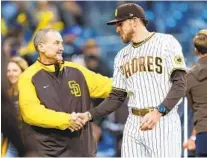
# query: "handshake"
{"points": [[78, 121]]}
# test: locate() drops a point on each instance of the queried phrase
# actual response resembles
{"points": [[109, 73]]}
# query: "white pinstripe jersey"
{"points": [[144, 71]]}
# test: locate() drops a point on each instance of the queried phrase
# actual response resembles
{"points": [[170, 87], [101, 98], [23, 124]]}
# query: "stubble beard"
{"points": [[128, 37]]}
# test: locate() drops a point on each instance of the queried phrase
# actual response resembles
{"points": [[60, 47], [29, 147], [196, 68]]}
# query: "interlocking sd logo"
{"points": [[75, 88]]}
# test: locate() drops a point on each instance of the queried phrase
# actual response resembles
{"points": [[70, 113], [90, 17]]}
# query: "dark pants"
{"points": [[201, 144]]}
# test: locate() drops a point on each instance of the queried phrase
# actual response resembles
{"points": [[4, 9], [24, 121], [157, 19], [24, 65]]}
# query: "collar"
{"points": [[50, 67], [136, 45]]}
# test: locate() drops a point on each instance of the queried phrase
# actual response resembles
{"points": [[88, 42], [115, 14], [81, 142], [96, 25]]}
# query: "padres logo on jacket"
{"points": [[75, 88]]}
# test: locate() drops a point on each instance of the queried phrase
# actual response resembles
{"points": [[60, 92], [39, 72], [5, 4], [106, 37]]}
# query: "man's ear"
{"points": [[134, 23], [41, 47], [137, 22]]}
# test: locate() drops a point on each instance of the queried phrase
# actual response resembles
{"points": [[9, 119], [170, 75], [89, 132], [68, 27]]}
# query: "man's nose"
{"points": [[61, 47]]}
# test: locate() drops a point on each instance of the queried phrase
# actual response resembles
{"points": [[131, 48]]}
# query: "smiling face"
{"points": [[13, 72], [125, 30], [52, 47]]}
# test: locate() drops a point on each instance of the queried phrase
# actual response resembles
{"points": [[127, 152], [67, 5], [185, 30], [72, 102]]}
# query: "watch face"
{"points": [[161, 109]]}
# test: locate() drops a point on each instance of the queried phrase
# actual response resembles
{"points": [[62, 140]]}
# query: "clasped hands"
{"points": [[78, 121]]}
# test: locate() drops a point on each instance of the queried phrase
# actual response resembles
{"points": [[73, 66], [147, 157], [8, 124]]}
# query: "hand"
{"points": [[84, 117], [150, 120], [76, 123], [190, 144]]}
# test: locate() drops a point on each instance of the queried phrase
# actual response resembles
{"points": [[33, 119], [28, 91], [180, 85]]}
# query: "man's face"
{"points": [[53, 47], [125, 31]]}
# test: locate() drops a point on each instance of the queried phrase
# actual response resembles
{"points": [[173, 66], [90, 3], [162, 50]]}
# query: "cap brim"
{"points": [[114, 21]]}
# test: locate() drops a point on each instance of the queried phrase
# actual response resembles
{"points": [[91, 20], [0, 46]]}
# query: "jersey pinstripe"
{"points": [[144, 72]]}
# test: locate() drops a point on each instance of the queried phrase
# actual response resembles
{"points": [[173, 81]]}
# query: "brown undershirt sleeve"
{"points": [[177, 91], [109, 105]]}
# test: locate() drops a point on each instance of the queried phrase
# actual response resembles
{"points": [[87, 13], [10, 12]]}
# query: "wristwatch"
{"points": [[162, 109], [89, 116]]}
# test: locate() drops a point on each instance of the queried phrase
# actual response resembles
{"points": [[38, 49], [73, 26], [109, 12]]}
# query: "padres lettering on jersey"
{"points": [[142, 64]]}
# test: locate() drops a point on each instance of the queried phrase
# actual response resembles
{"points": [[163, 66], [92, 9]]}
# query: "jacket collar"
{"points": [[50, 67]]}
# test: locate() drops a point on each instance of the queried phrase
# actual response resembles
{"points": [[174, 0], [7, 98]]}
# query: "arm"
{"points": [[175, 93], [35, 113], [177, 90], [99, 86], [193, 132], [175, 64], [190, 144], [116, 97], [188, 92], [110, 104]]}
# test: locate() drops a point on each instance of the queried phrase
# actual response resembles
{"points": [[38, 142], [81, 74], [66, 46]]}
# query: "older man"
{"points": [[49, 91]]}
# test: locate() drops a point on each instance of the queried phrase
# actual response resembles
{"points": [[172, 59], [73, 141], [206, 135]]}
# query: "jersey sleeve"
{"points": [[174, 58], [118, 78]]}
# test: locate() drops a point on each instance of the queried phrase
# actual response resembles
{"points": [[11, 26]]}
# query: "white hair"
{"points": [[40, 36]]}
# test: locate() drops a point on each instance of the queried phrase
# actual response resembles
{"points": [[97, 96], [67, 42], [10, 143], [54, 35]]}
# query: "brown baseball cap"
{"points": [[128, 11]]}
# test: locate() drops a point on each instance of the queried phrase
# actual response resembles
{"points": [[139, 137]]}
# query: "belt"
{"points": [[141, 112]]}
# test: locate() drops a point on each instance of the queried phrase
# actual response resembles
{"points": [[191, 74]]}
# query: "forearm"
{"points": [[109, 105], [177, 91], [194, 132], [189, 98], [38, 115], [193, 135]]}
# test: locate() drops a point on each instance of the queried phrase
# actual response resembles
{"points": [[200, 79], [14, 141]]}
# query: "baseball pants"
{"points": [[164, 140]]}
